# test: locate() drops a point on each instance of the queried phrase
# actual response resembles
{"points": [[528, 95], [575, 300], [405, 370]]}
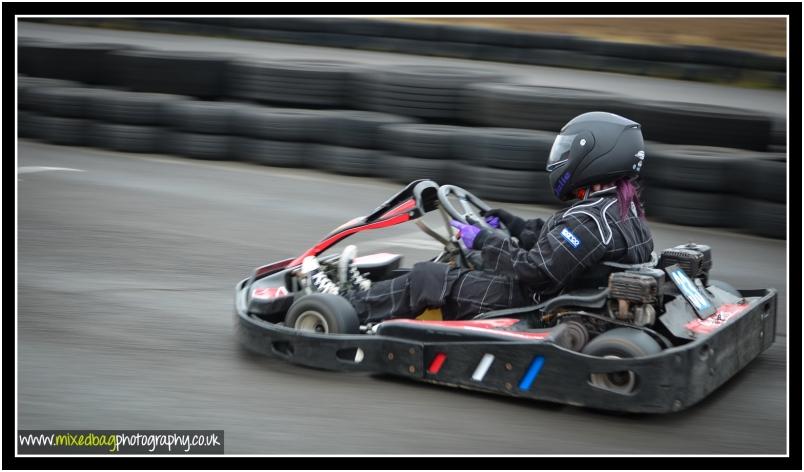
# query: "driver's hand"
{"points": [[511, 221], [466, 232], [493, 221]]}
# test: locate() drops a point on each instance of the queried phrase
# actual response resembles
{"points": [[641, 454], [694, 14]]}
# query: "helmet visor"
{"points": [[559, 154]]}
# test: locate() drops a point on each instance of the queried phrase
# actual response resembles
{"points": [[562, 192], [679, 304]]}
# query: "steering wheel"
{"points": [[469, 203]]}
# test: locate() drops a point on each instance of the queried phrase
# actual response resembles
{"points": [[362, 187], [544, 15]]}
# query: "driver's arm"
{"points": [[527, 231], [560, 253]]}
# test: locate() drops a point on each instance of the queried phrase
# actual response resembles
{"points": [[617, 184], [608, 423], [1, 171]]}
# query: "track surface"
{"points": [[126, 274]]}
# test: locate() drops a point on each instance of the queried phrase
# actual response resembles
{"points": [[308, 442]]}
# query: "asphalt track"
{"points": [[126, 270]]}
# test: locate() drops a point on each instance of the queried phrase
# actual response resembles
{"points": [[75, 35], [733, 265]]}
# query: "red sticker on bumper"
{"points": [[266, 293], [723, 314]]}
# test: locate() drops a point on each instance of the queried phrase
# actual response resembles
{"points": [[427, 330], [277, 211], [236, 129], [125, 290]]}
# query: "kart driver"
{"points": [[595, 159]]}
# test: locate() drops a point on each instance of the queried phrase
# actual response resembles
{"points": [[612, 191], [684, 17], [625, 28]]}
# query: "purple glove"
{"points": [[493, 221], [467, 233]]}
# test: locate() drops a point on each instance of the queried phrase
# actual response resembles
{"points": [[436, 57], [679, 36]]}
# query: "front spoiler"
{"points": [[670, 381]]}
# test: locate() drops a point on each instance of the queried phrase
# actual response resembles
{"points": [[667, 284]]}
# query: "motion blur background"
{"points": [[160, 159]]}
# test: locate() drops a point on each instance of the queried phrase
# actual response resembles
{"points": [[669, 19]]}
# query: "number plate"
{"points": [[703, 307]]}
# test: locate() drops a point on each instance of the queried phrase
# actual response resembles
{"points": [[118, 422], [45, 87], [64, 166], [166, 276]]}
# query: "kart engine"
{"points": [[694, 259], [635, 295]]}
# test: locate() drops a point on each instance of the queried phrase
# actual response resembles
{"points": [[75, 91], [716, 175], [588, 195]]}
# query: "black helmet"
{"points": [[595, 147]]}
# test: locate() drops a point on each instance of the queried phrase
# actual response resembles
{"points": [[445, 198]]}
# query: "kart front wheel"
{"points": [[620, 343], [323, 313]]}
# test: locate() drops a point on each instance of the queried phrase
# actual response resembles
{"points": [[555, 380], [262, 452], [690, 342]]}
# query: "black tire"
{"points": [[359, 129], [28, 124], [778, 133], [762, 178], [198, 74], [197, 116], [424, 91], [699, 168], [86, 63], [26, 85], [691, 208], [269, 153], [133, 108], [68, 102], [768, 219], [314, 83], [323, 313], [344, 160], [403, 169], [530, 106], [623, 343], [199, 146], [59, 130], [503, 184], [702, 125], [126, 138], [425, 141], [281, 124], [505, 148]]}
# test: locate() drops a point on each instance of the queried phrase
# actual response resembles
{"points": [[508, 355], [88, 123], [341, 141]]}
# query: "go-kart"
{"points": [[655, 337]]}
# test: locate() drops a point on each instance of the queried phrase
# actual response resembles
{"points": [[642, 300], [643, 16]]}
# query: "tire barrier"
{"points": [[437, 94], [280, 124], [85, 63], [686, 184], [126, 138], [60, 130], [346, 160], [704, 125], [504, 184], [67, 102], [430, 92], [506, 148], [358, 128], [199, 146], [404, 169], [702, 63], [763, 178], [312, 83], [423, 141], [27, 85], [696, 168], [133, 108], [201, 117], [269, 153], [535, 107], [689, 208], [763, 218], [198, 74]]}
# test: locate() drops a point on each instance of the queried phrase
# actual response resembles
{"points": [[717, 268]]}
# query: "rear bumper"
{"points": [[669, 381]]}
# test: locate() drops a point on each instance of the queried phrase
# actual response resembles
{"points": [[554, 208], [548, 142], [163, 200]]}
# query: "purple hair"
{"points": [[627, 193]]}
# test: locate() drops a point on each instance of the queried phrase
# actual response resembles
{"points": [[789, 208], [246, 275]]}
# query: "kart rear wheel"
{"points": [[620, 343], [323, 313]]}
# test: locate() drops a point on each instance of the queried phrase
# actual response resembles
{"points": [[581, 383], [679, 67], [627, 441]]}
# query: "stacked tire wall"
{"points": [[466, 126], [700, 63]]}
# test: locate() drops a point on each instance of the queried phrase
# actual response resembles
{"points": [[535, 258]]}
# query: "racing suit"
{"points": [[539, 258]]}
